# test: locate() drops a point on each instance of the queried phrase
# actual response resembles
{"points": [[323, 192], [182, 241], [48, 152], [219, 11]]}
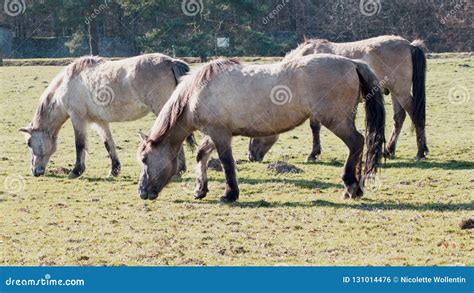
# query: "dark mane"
{"points": [[82, 63], [175, 107]]}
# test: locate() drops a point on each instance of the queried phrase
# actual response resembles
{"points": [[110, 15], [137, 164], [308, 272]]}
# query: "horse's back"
{"points": [[132, 86], [388, 56], [259, 100]]}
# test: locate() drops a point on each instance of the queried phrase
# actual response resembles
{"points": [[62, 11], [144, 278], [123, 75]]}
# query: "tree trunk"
{"points": [[92, 26]]}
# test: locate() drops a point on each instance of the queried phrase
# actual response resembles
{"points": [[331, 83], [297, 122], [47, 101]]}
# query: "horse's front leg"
{"points": [[80, 136], [106, 135], [222, 142], [316, 151], [203, 154]]}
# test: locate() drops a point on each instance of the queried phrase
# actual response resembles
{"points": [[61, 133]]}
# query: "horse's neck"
{"points": [[52, 117], [178, 132]]}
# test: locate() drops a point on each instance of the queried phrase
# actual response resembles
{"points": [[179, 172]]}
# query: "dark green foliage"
{"points": [[254, 27]]}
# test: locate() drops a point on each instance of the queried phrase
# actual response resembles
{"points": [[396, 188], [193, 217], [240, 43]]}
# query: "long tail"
{"points": [[371, 89], [180, 68], [419, 76]]}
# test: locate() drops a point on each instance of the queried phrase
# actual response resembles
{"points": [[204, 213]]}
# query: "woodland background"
{"points": [[62, 28]]}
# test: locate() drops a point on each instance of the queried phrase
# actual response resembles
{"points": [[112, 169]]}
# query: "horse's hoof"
{"points": [[310, 159], [200, 194], [226, 199], [114, 173], [74, 175], [388, 154], [353, 191], [359, 193], [419, 158], [345, 195]]}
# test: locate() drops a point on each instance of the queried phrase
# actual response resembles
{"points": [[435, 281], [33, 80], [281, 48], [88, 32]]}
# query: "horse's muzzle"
{"points": [[38, 171], [145, 194], [255, 157]]}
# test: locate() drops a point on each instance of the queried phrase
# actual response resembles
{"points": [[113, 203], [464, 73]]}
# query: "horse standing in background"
{"points": [[213, 101], [93, 90], [397, 63]]}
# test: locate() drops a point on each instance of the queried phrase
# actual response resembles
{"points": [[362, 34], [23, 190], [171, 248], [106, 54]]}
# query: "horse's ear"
{"points": [[25, 130], [143, 137]]}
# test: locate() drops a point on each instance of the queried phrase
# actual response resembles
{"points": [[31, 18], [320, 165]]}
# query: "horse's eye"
{"points": [[29, 142], [144, 160]]}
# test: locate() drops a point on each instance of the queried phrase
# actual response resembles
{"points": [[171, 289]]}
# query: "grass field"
{"points": [[411, 217]]}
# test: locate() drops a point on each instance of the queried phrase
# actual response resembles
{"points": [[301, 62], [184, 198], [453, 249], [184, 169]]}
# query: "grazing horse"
{"points": [[397, 63], [93, 90], [213, 101]]}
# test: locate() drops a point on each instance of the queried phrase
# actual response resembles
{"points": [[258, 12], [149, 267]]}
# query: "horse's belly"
{"points": [[268, 122], [120, 112]]}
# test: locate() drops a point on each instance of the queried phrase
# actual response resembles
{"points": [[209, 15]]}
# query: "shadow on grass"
{"points": [[393, 163], [364, 205], [447, 165], [332, 163], [92, 179], [301, 183]]}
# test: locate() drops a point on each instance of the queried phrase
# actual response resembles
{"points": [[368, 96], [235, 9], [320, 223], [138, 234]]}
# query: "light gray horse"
{"points": [[213, 100], [398, 64], [93, 90]]}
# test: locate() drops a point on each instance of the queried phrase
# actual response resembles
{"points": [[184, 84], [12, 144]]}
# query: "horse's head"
{"points": [[159, 162], [258, 147], [42, 145]]}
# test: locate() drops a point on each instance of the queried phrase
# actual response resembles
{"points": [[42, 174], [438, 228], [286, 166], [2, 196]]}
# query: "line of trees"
{"points": [[259, 27]]}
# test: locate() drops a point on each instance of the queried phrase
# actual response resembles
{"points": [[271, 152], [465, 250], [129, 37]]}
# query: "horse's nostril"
{"points": [[254, 158], [143, 194], [38, 171]]}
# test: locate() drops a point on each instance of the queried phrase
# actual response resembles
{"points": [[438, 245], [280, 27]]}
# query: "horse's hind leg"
{"points": [[203, 154], [399, 115], [406, 101], [347, 132], [316, 151], [106, 135], [80, 136]]}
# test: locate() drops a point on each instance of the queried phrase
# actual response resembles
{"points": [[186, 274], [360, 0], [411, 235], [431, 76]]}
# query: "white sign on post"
{"points": [[223, 42]]}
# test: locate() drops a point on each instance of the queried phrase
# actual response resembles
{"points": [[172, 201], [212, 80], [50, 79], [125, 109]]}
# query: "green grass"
{"points": [[412, 218]]}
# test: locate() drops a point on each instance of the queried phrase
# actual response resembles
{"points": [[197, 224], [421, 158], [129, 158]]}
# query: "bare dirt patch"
{"points": [[283, 168]]}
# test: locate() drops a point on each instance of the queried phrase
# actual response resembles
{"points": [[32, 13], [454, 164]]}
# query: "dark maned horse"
{"points": [[397, 63], [325, 88]]}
